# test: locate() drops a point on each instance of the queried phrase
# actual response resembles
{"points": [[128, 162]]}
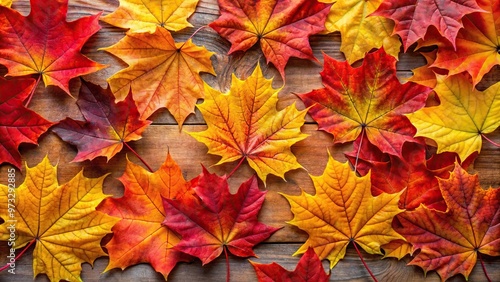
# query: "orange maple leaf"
{"points": [[61, 220], [145, 16], [161, 73], [477, 44], [245, 123], [139, 236], [44, 43], [343, 211], [281, 27], [450, 242]]}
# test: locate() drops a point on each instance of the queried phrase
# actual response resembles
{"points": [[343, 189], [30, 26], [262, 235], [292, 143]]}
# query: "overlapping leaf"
{"points": [[139, 236], [44, 43], [17, 123], [61, 219], [343, 211], [361, 31], [145, 16], [414, 17], [245, 123], [368, 99], [282, 27], [477, 44], [212, 218], [463, 117], [161, 73], [450, 242], [107, 126], [309, 268]]}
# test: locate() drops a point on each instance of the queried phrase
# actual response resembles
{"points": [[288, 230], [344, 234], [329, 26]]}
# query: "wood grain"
{"points": [[164, 136]]}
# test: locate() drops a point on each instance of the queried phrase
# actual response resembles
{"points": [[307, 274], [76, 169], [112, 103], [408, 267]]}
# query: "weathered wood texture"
{"points": [[164, 135]]}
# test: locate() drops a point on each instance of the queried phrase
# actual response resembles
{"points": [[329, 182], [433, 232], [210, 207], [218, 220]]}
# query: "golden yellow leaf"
{"points": [[244, 123], [6, 3], [361, 32], [463, 117], [145, 16], [344, 211], [61, 218]]}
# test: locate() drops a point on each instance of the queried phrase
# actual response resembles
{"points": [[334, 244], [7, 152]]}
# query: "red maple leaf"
{"points": [[107, 126], [415, 173], [213, 220], [44, 43], [414, 17], [367, 100], [282, 27], [450, 242], [18, 124], [309, 268]]}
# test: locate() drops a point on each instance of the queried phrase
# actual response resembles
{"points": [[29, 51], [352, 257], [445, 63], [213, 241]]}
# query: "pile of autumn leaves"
{"points": [[403, 202]]}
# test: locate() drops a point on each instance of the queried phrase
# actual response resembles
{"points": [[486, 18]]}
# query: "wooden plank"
{"points": [[164, 136]]}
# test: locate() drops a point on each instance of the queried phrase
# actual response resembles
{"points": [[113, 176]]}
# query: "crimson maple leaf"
{"points": [[309, 268], [450, 242], [282, 27], [366, 100], [212, 220], [108, 125], [413, 17], [17, 123], [44, 43]]}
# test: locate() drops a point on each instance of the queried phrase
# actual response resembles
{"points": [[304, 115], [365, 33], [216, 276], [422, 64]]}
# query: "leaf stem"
{"points": [[359, 150], [138, 156], [364, 263], [489, 140], [190, 37], [32, 93], [484, 267], [236, 168], [19, 255], [228, 271]]}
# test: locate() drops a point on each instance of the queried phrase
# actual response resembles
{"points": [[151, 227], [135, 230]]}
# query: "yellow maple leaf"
{"points": [[6, 3], [244, 123], [161, 73], [463, 117], [60, 219], [145, 16], [361, 32], [344, 211]]}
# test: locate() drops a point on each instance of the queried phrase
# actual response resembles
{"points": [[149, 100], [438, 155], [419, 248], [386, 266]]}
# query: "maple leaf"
{"points": [[139, 236], [6, 3], [477, 44], [413, 17], [463, 117], [44, 43], [18, 124], [244, 123], [60, 220], [212, 219], [282, 27], [161, 73], [361, 32], [410, 174], [145, 16], [343, 211], [107, 126], [366, 100], [309, 268], [451, 241], [426, 75]]}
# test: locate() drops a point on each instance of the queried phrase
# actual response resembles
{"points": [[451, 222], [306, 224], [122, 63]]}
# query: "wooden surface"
{"points": [[164, 135]]}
